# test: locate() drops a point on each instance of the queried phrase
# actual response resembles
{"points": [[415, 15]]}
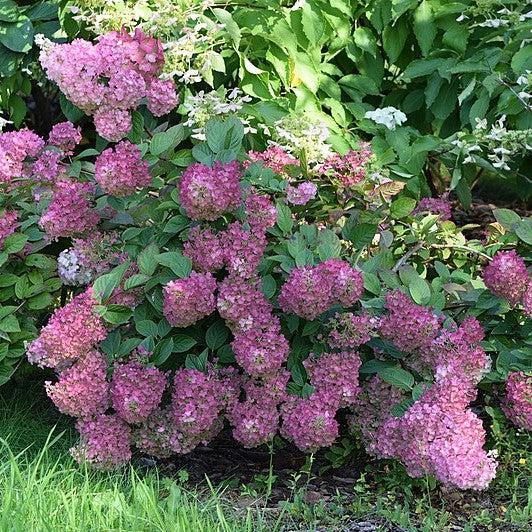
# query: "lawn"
{"points": [[42, 488]]}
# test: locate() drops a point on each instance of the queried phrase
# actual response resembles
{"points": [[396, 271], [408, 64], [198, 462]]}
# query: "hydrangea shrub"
{"points": [[207, 283]]}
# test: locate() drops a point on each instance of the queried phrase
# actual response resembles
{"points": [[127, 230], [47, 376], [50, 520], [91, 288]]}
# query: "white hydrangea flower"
{"points": [[387, 116]]}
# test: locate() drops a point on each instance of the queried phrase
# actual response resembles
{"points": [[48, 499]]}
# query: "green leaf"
{"points": [[177, 262], [183, 343], [365, 39], [104, 285], [8, 61], [40, 301], [70, 110], [284, 218], [507, 218], [42, 262], [522, 60], [524, 230], [10, 324], [147, 328], [216, 335], [17, 36], [229, 24], [424, 28], [361, 234], [162, 351], [394, 39], [9, 11], [14, 243], [148, 259], [397, 376], [419, 290], [402, 207], [166, 140], [117, 314]]}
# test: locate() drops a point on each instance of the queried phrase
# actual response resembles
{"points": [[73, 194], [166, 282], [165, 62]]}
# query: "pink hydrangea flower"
{"points": [[242, 303], [301, 194], [120, 170], [8, 225], [15, 148], [407, 325], [527, 300], [160, 436], [48, 168], [204, 248], [274, 158], [348, 284], [136, 390], [72, 332], [206, 193], [82, 390], [517, 404], [254, 422], [349, 169], [65, 136], [310, 291], [243, 250], [307, 292], [349, 331], [310, 423], [109, 79], [162, 97], [261, 350], [440, 206], [336, 374], [506, 276], [70, 212], [260, 211], [197, 403], [105, 442], [188, 300], [112, 124]]}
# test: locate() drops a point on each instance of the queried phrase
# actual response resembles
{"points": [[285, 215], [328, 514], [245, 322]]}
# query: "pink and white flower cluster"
{"points": [[438, 434], [507, 277], [110, 78], [120, 170], [310, 291], [517, 404]]}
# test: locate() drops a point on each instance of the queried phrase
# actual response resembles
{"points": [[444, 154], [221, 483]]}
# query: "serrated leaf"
{"points": [[166, 140], [402, 207], [17, 36], [183, 343], [397, 376], [177, 262], [216, 335]]}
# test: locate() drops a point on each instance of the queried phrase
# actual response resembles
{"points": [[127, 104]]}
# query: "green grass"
{"points": [[43, 489]]}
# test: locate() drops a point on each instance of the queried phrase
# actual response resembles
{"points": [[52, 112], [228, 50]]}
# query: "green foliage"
{"points": [[18, 66]]}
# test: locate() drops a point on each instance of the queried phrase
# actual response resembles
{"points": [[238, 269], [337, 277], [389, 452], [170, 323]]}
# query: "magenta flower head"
{"points": [[120, 170], [136, 390], [82, 390], [187, 301], [407, 325], [206, 193], [70, 212], [440, 206], [105, 442], [517, 404], [162, 96], [71, 333], [204, 248], [301, 194], [506, 276], [310, 423], [65, 136]]}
